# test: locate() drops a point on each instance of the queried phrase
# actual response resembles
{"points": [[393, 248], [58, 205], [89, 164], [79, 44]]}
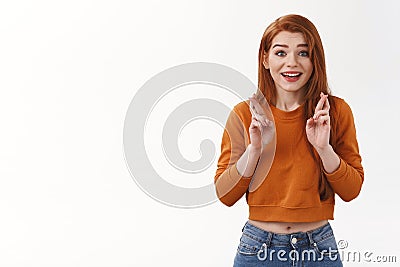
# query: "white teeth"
{"points": [[291, 74]]}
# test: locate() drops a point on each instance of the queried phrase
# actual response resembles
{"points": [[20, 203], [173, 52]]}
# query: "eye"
{"points": [[304, 54], [280, 53]]}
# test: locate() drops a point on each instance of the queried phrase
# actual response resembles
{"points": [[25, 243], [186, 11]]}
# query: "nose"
{"points": [[291, 60]]}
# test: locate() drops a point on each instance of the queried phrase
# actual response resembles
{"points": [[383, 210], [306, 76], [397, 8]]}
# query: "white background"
{"points": [[68, 71]]}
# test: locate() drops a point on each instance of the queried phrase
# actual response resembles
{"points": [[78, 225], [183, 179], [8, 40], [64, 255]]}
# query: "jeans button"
{"points": [[294, 240]]}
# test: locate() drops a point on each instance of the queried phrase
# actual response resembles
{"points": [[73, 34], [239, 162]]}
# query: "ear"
{"points": [[265, 60]]}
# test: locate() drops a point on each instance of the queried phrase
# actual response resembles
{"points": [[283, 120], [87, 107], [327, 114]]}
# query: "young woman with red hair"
{"points": [[290, 149]]}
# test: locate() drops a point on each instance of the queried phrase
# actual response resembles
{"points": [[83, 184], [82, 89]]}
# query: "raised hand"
{"points": [[262, 128], [318, 127]]}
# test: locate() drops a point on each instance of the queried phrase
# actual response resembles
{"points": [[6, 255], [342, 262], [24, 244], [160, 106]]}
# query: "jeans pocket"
{"points": [[249, 244]]}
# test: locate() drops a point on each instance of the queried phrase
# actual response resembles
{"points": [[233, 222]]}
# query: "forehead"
{"points": [[289, 38]]}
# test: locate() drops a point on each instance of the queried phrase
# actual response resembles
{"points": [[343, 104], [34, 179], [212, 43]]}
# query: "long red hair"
{"points": [[317, 83]]}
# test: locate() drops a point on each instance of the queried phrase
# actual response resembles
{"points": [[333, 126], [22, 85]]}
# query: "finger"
{"points": [[320, 113], [257, 123], [256, 104], [260, 118], [253, 124], [326, 105], [253, 111], [264, 121], [250, 105], [323, 119], [253, 102], [321, 102], [268, 122]]}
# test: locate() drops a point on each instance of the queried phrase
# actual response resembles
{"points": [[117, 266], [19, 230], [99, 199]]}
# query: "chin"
{"points": [[293, 89]]}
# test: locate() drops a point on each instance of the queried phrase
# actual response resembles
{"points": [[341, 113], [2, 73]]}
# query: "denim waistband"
{"points": [[299, 238]]}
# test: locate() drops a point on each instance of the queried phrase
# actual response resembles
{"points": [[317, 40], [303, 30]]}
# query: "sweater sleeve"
{"points": [[347, 180], [230, 185]]}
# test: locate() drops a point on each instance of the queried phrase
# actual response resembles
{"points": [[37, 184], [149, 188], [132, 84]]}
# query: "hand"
{"points": [[262, 128], [318, 127]]}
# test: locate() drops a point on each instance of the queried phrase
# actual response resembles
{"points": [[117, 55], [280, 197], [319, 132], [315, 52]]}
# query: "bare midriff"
{"points": [[288, 227]]}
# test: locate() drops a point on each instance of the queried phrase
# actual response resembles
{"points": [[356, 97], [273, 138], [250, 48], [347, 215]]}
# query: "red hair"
{"points": [[317, 83]]}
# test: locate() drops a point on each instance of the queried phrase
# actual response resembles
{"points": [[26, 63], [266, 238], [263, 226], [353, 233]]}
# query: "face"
{"points": [[288, 62]]}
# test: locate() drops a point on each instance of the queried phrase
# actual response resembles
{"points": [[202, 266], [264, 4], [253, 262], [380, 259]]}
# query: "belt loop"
{"points": [[262, 253], [312, 242], [269, 239]]}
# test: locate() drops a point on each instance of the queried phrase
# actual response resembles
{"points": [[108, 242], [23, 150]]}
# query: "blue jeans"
{"points": [[307, 249]]}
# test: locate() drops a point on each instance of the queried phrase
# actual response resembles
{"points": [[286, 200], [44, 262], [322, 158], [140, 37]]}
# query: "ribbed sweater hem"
{"points": [[284, 214]]}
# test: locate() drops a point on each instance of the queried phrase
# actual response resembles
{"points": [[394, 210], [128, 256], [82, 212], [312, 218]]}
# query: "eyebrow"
{"points": [[286, 46]]}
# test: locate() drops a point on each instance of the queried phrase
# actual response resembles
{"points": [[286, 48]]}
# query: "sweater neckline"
{"points": [[287, 115]]}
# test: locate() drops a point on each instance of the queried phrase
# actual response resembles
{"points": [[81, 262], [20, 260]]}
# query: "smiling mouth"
{"points": [[291, 74]]}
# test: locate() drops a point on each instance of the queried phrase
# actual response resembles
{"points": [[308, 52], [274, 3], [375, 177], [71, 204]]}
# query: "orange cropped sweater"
{"points": [[289, 191]]}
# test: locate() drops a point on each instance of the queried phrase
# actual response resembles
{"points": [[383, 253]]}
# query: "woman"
{"points": [[290, 148]]}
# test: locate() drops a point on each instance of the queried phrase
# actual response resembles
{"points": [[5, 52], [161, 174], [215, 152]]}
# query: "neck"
{"points": [[289, 101]]}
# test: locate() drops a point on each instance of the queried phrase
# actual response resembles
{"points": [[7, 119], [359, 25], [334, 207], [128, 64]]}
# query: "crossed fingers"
{"points": [[321, 113], [258, 112]]}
